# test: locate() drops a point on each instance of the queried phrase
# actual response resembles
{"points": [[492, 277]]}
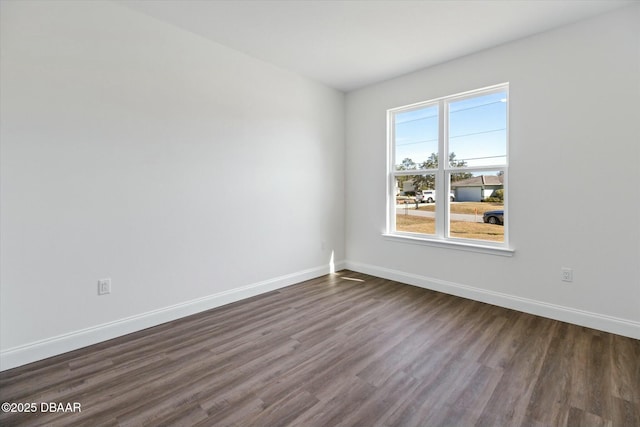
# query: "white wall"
{"points": [[183, 170], [575, 134]]}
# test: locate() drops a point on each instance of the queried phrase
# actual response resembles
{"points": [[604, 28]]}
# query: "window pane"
{"points": [[478, 131], [415, 207], [478, 210], [416, 138]]}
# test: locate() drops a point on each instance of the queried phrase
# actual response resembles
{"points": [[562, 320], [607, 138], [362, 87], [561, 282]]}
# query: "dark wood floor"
{"points": [[345, 349]]}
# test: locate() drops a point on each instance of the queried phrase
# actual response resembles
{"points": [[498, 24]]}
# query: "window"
{"points": [[455, 146]]}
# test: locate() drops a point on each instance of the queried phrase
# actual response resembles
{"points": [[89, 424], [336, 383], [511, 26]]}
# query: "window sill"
{"points": [[449, 244]]}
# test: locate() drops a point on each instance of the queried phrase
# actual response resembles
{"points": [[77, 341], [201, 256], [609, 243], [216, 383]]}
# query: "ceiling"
{"points": [[350, 44]]}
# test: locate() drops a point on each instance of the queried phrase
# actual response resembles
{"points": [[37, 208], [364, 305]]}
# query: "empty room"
{"points": [[319, 213]]}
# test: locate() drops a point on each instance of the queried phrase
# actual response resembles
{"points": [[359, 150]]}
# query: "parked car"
{"points": [[429, 196], [494, 217]]}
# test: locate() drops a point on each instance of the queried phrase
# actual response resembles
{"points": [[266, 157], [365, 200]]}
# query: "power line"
{"points": [[478, 133], [482, 158], [417, 142], [475, 106], [415, 120]]}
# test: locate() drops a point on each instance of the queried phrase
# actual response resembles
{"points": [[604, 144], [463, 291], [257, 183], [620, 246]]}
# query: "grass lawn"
{"points": [[460, 229], [463, 207]]}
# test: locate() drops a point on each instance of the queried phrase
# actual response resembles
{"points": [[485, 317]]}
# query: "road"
{"points": [[411, 210]]}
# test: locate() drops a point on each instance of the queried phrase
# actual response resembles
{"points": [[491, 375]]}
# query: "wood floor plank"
{"points": [[624, 354], [346, 349], [350, 395], [384, 401], [549, 401], [511, 398]]}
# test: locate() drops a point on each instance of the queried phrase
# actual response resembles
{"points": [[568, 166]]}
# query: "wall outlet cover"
{"points": [[104, 286]]}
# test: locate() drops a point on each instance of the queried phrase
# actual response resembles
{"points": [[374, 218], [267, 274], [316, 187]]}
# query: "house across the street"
{"points": [[477, 188]]}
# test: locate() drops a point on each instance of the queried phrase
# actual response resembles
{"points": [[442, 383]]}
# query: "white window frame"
{"points": [[443, 180]]}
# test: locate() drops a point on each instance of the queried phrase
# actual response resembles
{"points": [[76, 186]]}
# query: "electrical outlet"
{"points": [[566, 274], [104, 286]]}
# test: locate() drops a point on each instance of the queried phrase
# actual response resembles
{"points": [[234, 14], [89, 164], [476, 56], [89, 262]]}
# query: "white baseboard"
{"points": [[18, 356], [598, 321]]}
